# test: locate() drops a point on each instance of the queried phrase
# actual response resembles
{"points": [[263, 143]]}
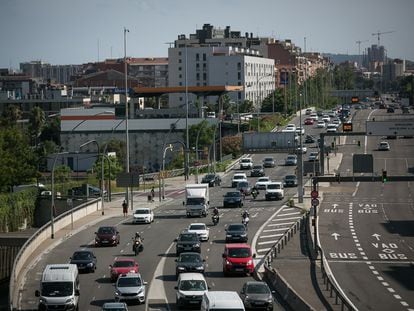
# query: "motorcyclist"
{"points": [[137, 238], [255, 192], [245, 214], [216, 214], [137, 242]]}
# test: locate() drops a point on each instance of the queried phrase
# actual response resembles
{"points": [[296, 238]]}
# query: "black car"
{"points": [[257, 295], [236, 233], [233, 199], [257, 171], [290, 181], [310, 139], [85, 260], [212, 180], [107, 235], [187, 242], [189, 262]]}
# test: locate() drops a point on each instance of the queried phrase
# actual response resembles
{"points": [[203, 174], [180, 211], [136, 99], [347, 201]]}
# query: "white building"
{"points": [[211, 66]]}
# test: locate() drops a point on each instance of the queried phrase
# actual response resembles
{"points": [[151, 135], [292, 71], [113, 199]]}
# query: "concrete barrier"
{"points": [[24, 255]]}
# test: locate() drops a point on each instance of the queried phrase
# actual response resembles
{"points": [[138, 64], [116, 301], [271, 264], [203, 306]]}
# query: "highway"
{"points": [[366, 229]]}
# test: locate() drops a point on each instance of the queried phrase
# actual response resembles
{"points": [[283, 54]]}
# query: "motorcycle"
{"points": [[137, 247], [245, 220], [215, 219], [254, 194]]}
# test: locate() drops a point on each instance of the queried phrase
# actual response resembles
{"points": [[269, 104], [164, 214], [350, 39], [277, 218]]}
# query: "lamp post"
{"points": [[187, 144], [52, 208], [102, 171], [126, 113], [169, 147], [196, 150], [258, 98]]}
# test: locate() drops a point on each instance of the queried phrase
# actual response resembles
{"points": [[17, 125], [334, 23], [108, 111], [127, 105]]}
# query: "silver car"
{"points": [[130, 287]]}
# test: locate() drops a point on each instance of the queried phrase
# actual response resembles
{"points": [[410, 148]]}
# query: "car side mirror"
{"points": [[223, 255], [37, 293], [145, 283], [254, 256], [175, 287]]}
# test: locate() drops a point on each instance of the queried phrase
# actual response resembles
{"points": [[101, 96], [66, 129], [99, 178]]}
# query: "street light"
{"points": [[52, 208], [102, 171], [126, 112], [198, 135]]}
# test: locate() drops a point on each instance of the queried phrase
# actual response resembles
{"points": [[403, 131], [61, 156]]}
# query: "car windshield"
{"points": [[291, 158], [236, 228], [257, 167], [232, 194], [245, 160], [57, 289], [238, 177], [123, 263], [257, 289], [263, 179], [273, 186], [193, 285], [129, 282], [106, 230], [142, 211], [242, 184], [239, 252], [82, 256], [268, 159], [290, 177], [197, 227], [195, 201], [187, 237], [189, 258]]}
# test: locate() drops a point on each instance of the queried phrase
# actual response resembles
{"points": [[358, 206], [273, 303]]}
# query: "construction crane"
{"points": [[381, 33], [359, 45]]}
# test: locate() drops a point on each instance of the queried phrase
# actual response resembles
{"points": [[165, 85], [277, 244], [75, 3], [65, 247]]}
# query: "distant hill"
{"points": [[340, 58]]}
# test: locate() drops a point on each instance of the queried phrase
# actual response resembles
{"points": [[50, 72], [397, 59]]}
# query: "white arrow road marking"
{"points": [[336, 235], [377, 236], [334, 205]]}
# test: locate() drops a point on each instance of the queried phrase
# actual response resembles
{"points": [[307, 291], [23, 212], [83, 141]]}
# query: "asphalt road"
{"points": [[367, 229]]}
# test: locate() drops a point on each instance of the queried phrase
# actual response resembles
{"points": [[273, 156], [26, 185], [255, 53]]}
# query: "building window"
{"points": [[197, 57], [238, 66], [197, 76], [204, 76], [180, 76], [239, 76], [204, 57], [179, 53], [180, 84], [204, 66], [179, 60], [181, 99], [179, 68]]}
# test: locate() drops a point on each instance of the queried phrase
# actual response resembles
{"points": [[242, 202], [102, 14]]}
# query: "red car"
{"points": [[107, 235], [308, 121], [123, 265], [238, 258]]}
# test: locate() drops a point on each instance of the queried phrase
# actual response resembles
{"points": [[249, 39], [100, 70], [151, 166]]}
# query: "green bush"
{"points": [[15, 208]]}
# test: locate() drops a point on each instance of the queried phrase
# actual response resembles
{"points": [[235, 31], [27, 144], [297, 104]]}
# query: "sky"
{"points": [[63, 32]]}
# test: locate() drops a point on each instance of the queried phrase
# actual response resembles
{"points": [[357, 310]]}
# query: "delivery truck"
{"points": [[197, 200]]}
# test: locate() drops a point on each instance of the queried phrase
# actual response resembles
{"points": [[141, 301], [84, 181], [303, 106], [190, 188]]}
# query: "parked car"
{"points": [[291, 159], [143, 215], [290, 181], [244, 186], [246, 163], [200, 229], [187, 242], [256, 295], [211, 179], [257, 171], [123, 265], [232, 199], [236, 233], [130, 287], [190, 289], [237, 177], [238, 258], [313, 156], [262, 182], [189, 262], [85, 260], [383, 146], [107, 235], [269, 162]]}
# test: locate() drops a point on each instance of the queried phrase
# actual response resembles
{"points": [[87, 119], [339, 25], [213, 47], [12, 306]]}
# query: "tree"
{"points": [[17, 159], [11, 114], [37, 121], [116, 167], [51, 131]]}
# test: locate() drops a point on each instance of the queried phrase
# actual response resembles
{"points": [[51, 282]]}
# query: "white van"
{"points": [[59, 288], [221, 300]]}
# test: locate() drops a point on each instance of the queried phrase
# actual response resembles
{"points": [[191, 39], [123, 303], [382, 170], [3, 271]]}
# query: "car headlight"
{"points": [[197, 245], [90, 264], [69, 301], [114, 237], [249, 262], [200, 268], [228, 235], [228, 263], [181, 268], [140, 291], [243, 234], [117, 293]]}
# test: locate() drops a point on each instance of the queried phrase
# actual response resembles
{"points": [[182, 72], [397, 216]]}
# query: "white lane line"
{"points": [[281, 229], [289, 214], [282, 224], [270, 236], [271, 230], [290, 218], [260, 250], [267, 242]]}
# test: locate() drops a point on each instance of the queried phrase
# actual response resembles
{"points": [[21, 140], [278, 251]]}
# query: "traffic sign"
{"points": [[347, 127], [315, 202], [314, 194]]}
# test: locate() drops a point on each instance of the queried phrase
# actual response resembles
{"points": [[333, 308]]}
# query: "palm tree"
{"points": [[37, 121]]}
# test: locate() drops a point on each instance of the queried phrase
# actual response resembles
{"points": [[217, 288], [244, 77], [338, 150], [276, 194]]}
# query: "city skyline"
{"points": [[76, 32]]}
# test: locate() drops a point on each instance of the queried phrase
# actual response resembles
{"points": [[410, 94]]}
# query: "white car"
{"points": [[201, 229], [331, 128], [303, 149], [313, 156], [326, 118], [337, 122], [237, 177], [262, 182], [190, 289], [246, 164], [143, 215], [320, 124], [314, 116], [300, 131], [384, 146]]}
